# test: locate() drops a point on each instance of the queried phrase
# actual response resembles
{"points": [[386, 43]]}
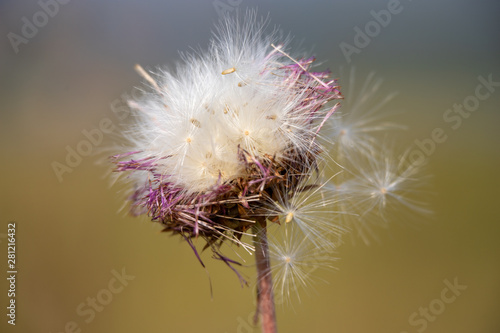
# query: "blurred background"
{"points": [[64, 76]]}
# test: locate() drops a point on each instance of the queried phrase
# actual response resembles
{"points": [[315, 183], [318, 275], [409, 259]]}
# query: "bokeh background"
{"points": [[71, 234]]}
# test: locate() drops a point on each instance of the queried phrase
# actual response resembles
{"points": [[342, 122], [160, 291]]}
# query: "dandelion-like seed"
{"points": [[375, 186], [355, 129], [295, 260], [233, 129], [310, 207], [375, 182]]}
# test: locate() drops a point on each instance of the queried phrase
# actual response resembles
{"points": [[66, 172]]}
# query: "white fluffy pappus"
{"points": [[381, 187], [235, 96], [312, 209], [226, 145], [357, 129], [295, 262]]}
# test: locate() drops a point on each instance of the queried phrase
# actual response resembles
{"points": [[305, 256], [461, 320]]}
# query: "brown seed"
{"points": [[229, 71], [196, 122]]}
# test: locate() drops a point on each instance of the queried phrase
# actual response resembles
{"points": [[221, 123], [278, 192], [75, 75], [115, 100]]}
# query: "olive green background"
{"points": [[72, 234]]}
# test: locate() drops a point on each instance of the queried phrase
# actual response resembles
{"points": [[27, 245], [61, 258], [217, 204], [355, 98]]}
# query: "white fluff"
{"points": [[194, 121]]}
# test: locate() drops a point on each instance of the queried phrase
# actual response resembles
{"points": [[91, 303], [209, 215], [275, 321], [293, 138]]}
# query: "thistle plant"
{"points": [[229, 145]]}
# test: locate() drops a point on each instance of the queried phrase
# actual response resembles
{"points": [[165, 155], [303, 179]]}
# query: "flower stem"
{"points": [[265, 297]]}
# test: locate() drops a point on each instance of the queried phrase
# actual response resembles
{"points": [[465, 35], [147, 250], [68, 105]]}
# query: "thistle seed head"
{"points": [[231, 130]]}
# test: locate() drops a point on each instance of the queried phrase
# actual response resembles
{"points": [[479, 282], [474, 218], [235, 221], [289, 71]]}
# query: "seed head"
{"points": [[230, 130]]}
